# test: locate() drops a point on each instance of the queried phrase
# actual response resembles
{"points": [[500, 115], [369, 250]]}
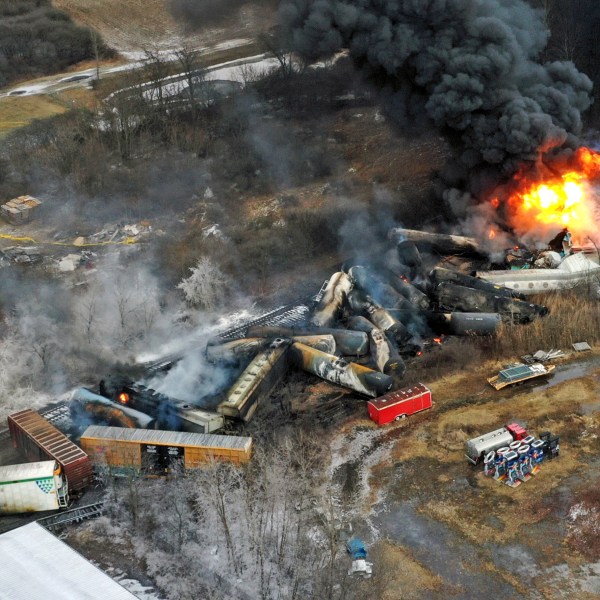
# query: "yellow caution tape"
{"points": [[15, 238]]}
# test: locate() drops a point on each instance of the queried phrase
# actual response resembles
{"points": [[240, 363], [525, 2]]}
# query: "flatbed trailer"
{"points": [[518, 373]]}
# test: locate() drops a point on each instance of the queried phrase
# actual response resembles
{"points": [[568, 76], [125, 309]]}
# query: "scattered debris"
{"points": [[71, 262], [581, 347], [22, 255], [540, 356]]}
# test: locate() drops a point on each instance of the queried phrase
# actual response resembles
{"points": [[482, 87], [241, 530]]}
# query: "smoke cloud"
{"points": [[471, 66]]}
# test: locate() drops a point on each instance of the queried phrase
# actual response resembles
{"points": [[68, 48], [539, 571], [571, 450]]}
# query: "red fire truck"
{"points": [[399, 404]]}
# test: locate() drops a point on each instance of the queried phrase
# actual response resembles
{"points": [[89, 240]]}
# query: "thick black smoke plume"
{"points": [[470, 66]]}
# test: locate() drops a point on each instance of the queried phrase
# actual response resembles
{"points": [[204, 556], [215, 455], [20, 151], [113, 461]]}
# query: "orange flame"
{"points": [[563, 200], [123, 398]]}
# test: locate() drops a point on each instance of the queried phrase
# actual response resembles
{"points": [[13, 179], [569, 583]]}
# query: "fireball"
{"points": [[566, 199]]}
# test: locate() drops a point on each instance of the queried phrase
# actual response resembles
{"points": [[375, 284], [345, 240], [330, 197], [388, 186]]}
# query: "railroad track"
{"points": [[289, 315], [75, 515]]}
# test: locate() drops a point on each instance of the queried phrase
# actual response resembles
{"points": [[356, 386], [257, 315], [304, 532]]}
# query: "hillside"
{"points": [[129, 25]]}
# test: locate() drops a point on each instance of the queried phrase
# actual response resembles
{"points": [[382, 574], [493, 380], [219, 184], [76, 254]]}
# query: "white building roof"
{"points": [[35, 565]]}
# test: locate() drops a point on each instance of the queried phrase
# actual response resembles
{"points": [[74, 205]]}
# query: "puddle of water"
{"points": [[565, 373], [442, 551], [588, 409], [515, 559]]}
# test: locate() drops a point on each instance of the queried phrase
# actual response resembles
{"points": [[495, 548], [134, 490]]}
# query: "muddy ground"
{"points": [[455, 533]]}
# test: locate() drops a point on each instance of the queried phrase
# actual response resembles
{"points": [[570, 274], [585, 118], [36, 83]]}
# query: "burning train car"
{"points": [[166, 412], [155, 452], [39, 440], [89, 407]]}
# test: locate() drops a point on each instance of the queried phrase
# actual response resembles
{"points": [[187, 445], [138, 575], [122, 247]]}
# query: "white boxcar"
{"points": [[32, 487]]}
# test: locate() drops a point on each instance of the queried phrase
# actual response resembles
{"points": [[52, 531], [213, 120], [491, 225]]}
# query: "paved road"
{"points": [[82, 79]]}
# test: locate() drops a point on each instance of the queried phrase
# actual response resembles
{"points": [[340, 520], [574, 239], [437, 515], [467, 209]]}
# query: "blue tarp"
{"points": [[356, 548]]}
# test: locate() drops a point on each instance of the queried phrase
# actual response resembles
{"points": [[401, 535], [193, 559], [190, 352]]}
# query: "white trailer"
{"points": [[33, 487]]}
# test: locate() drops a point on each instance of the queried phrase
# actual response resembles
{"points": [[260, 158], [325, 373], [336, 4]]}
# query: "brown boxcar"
{"points": [[154, 452], [38, 440]]}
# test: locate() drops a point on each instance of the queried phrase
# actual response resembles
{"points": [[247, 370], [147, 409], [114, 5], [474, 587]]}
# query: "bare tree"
{"points": [[274, 43], [190, 60], [87, 316], [206, 287], [157, 68]]}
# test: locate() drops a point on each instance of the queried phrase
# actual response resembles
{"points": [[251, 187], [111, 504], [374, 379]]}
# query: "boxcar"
{"points": [[399, 404], [32, 487], [38, 440], [154, 452]]}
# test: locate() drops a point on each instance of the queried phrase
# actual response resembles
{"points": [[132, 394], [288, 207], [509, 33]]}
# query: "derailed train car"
{"points": [[456, 297], [336, 370], [33, 487], [155, 452], [256, 381], [38, 440], [87, 406]]}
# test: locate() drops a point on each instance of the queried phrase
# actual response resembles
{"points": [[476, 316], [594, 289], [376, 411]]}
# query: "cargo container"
{"points": [[38, 440], [518, 373], [399, 404], [33, 487], [154, 452]]}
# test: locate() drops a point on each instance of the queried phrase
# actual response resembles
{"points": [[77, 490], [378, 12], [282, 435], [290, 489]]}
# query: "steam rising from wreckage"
{"points": [[358, 332]]}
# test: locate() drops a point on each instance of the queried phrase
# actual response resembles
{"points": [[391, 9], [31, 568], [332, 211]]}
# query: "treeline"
{"points": [[37, 39], [573, 26]]}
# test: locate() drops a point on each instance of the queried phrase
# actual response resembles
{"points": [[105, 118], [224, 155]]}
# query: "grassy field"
{"points": [[132, 25], [17, 111]]}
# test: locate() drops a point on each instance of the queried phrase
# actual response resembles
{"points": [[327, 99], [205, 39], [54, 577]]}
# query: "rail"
{"points": [[289, 315], [75, 515]]}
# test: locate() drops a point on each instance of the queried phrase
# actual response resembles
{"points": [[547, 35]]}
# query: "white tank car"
{"points": [[32, 487]]}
